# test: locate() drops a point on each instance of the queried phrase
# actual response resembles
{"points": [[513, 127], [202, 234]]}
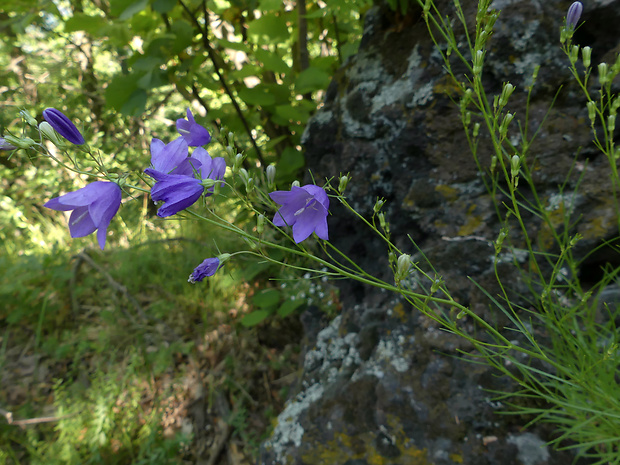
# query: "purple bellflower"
{"points": [[205, 269], [165, 158], [573, 15], [305, 209], [192, 132], [63, 126], [93, 207], [184, 187]]}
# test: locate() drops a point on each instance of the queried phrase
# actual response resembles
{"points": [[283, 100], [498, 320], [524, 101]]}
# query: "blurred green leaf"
{"points": [[269, 29], [267, 298], [84, 22], [311, 79], [257, 96], [133, 8], [289, 306], [163, 6], [254, 318], [271, 61]]}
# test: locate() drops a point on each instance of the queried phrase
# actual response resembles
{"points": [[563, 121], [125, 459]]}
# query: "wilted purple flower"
{"points": [[4, 145], [63, 126], [573, 15], [182, 189], [305, 209], [206, 268], [93, 207], [192, 132]]}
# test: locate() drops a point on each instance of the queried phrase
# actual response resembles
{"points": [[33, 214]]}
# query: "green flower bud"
{"points": [[295, 183], [342, 185], [611, 124], [378, 204], [270, 173], [28, 118], [260, 224], [237, 163], [503, 128], [48, 131], [586, 54], [507, 91], [250, 185], [22, 143], [574, 54], [403, 267], [602, 73], [478, 62], [245, 177], [476, 130], [591, 111]]}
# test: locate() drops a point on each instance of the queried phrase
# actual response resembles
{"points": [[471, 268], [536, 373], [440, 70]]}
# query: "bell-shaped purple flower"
{"points": [[184, 187], [93, 207], [178, 191], [207, 268], [63, 126], [165, 158], [573, 15], [192, 132], [305, 209]]}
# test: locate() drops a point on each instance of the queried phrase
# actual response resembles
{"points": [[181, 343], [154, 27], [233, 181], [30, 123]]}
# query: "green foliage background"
{"points": [[124, 72]]}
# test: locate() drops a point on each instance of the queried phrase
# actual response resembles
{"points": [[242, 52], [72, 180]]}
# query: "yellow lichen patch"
{"points": [[399, 311], [448, 86], [449, 193], [363, 446], [472, 224]]}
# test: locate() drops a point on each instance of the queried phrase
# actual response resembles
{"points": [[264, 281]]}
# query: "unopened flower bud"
{"points": [[207, 183], [295, 183], [63, 126], [586, 53], [378, 204], [611, 123], [515, 166], [602, 73], [573, 15], [243, 174], [574, 54], [382, 222], [271, 175], [48, 131], [591, 110], [342, 185], [229, 150], [260, 224], [28, 118], [476, 130], [22, 143], [237, 162], [4, 145], [478, 62], [403, 267], [250, 185], [503, 128], [507, 91]]}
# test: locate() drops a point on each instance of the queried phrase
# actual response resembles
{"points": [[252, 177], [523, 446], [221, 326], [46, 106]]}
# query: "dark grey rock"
{"points": [[383, 384]]}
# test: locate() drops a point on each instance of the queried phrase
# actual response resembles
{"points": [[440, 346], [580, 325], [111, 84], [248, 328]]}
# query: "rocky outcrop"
{"points": [[382, 384]]}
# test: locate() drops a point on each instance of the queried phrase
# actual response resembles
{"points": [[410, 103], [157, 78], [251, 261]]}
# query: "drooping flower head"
{"points": [[192, 132], [63, 126], [573, 15], [207, 268], [93, 207], [305, 209], [186, 184]]}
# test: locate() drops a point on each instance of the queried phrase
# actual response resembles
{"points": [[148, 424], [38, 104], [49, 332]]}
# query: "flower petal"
{"points": [[63, 126], [207, 268], [80, 223]]}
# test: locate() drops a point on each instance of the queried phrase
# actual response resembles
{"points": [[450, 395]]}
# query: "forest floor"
{"points": [[101, 363]]}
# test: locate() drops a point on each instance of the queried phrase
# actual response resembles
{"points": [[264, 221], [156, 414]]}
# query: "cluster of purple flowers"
{"points": [[180, 180]]}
